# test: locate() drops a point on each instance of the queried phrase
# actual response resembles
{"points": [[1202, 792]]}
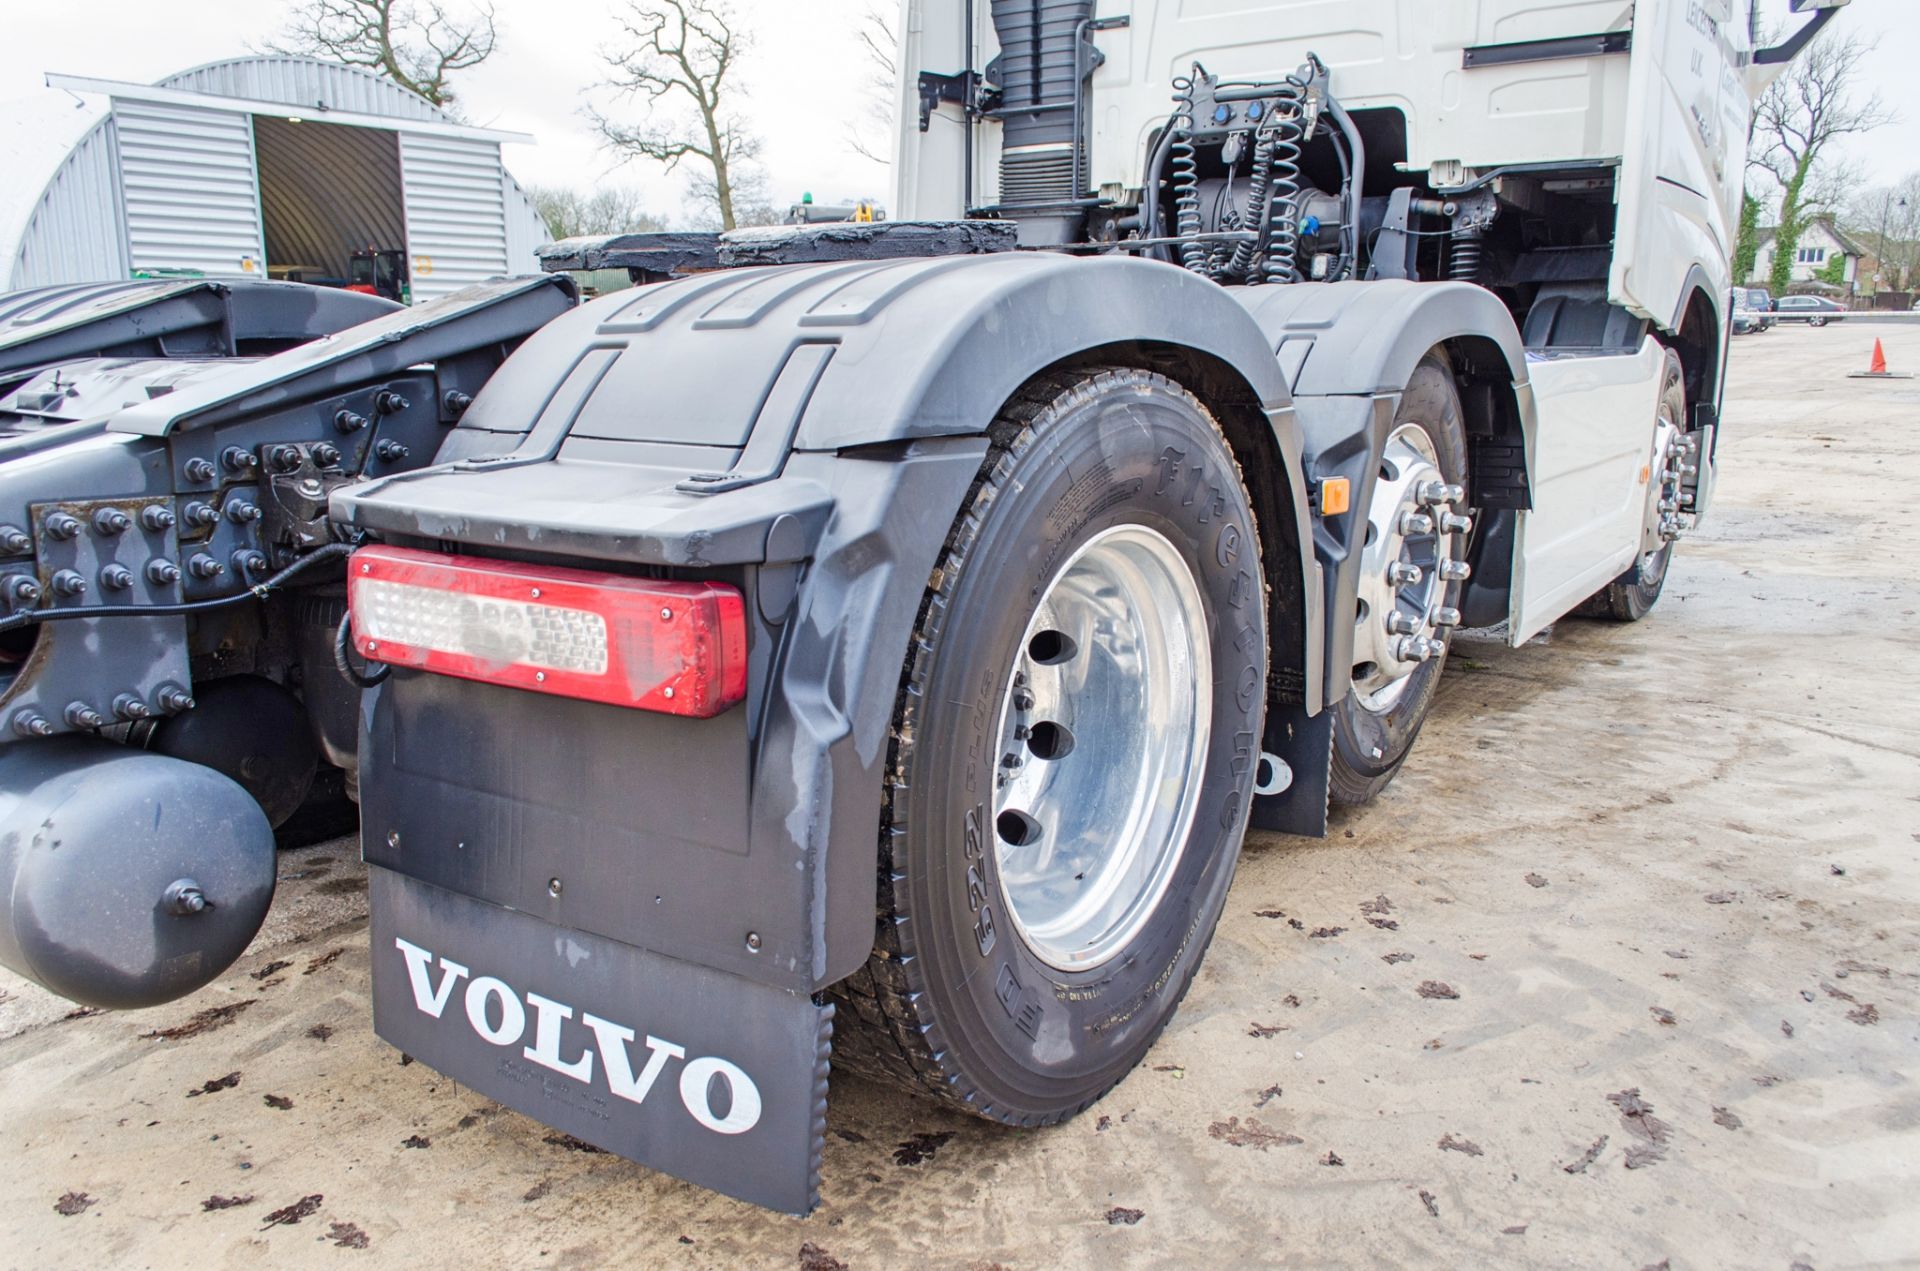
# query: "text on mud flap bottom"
{"points": [[687, 1070]]}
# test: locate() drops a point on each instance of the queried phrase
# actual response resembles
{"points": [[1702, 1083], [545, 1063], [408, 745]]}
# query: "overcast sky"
{"points": [[806, 76]]}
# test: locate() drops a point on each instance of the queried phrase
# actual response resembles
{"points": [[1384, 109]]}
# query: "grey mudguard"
{"points": [[808, 432], [721, 1080], [1348, 350]]}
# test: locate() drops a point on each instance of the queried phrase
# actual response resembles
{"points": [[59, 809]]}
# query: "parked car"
{"points": [[1761, 299], [1815, 311], [1747, 317]]}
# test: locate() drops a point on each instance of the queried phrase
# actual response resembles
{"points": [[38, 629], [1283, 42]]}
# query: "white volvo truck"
{"points": [[870, 644]]}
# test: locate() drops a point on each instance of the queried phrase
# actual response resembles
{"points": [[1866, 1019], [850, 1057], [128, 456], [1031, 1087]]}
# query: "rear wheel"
{"points": [[1632, 595], [1072, 756], [1412, 561]]}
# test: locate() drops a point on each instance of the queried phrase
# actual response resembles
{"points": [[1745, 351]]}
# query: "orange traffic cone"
{"points": [[1877, 369]]}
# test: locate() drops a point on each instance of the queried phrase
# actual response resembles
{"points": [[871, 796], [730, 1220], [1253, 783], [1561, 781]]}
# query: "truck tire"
{"points": [[1394, 681], [1072, 756], [1632, 595]]}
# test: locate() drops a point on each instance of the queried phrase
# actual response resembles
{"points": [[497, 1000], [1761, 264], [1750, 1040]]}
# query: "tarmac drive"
{"points": [[1676, 858]]}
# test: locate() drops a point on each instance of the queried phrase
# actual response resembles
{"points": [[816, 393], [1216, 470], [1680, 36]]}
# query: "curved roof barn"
{"points": [[265, 166]]}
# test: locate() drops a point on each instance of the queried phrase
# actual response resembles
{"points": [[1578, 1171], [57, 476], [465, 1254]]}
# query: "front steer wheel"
{"points": [[1072, 756]]}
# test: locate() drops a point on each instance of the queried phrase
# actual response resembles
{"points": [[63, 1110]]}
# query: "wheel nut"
{"points": [[1416, 523], [1443, 616], [1455, 524], [1399, 622], [1023, 701], [1402, 574], [162, 572], [111, 521], [32, 724], [1435, 492], [1455, 571]]}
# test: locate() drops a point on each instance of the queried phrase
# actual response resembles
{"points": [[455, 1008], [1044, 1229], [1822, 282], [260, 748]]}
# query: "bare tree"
{"points": [[1888, 217], [418, 49], [1795, 121], [611, 209], [678, 62], [871, 135]]}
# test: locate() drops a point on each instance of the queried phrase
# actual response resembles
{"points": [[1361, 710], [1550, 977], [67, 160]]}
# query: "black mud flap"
{"points": [[691, 1071]]}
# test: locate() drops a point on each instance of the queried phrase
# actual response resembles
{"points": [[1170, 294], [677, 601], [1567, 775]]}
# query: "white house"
{"points": [[1820, 242], [263, 166]]}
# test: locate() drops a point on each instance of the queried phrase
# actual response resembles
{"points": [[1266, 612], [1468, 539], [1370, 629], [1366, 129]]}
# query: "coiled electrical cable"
{"points": [[1186, 176]]}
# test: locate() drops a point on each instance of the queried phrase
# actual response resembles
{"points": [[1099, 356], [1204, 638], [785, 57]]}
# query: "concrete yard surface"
{"points": [[1623, 970]]}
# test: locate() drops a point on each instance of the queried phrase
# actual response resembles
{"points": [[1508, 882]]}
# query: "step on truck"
{"points": [[868, 645]]}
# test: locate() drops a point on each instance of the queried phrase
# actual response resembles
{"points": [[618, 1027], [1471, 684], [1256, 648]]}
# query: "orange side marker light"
{"points": [[1336, 496]]}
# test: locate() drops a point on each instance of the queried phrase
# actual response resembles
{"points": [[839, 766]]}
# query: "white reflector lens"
{"points": [[488, 628]]}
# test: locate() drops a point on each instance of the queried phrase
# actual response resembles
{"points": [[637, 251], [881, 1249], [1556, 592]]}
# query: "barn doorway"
{"points": [[332, 208]]}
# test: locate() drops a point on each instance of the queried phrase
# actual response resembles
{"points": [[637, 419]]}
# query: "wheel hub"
{"points": [[1104, 730], [1409, 557], [1668, 498]]}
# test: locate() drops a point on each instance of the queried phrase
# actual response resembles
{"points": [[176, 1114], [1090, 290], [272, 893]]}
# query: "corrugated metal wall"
{"points": [[187, 178], [74, 234], [302, 81], [456, 212]]}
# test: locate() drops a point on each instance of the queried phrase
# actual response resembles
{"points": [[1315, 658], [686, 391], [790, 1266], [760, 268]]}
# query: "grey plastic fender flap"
{"points": [[712, 1078]]}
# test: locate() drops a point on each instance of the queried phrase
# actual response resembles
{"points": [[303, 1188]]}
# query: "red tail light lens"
{"points": [[664, 646]]}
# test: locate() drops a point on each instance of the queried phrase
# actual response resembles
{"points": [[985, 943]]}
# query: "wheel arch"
{"points": [[1697, 334]]}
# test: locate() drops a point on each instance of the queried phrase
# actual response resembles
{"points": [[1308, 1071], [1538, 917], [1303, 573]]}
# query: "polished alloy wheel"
{"points": [[1104, 728], [1414, 541]]}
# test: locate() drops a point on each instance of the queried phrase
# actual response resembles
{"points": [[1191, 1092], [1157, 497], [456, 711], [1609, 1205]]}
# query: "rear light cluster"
{"points": [[677, 647]]}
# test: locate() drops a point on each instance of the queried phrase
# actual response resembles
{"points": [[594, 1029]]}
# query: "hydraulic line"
{"points": [[257, 591], [1186, 176]]}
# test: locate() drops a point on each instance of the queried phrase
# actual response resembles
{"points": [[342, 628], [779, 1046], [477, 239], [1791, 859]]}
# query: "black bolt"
{"points": [[62, 526], [286, 458], [348, 421], [162, 572], [202, 514], [127, 706], [173, 699], [22, 590], [1022, 700], [456, 402], [81, 715], [1010, 760], [111, 521], [31, 724], [68, 583], [116, 578], [14, 540], [239, 511], [156, 517], [247, 562], [199, 470], [388, 402], [205, 566], [326, 454], [234, 459], [391, 450]]}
